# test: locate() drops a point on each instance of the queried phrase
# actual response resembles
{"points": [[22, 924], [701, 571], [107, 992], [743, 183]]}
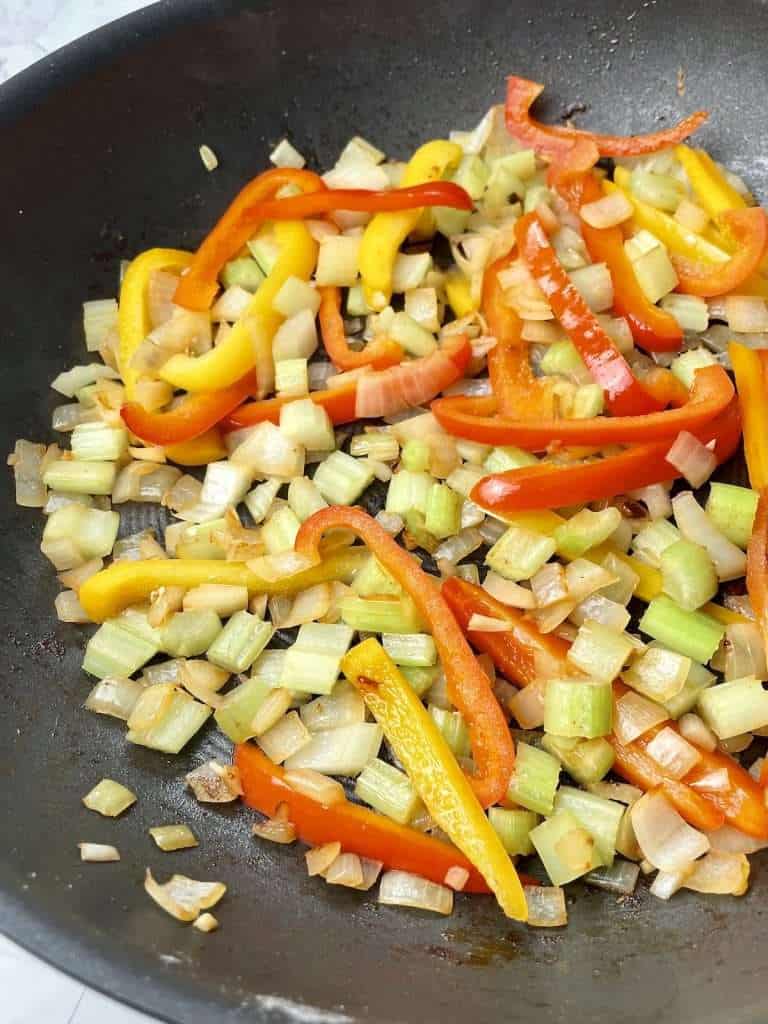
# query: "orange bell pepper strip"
{"points": [[652, 328], [711, 394], [194, 415], [750, 368], [547, 485], [757, 566], [469, 688], [624, 394], [358, 829], [749, 229], [380, 353], [197, 288], [577, 154], [521, 95], [339, 403]]}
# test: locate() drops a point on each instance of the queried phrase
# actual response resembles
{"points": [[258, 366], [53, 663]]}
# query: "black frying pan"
{"points": [[100, 161]]}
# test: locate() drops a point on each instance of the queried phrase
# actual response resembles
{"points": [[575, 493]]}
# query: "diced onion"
{"points": [[746, 313], [114, 696], [280, 567], [691, 458], [744, 652], [667, 883], [546, 906], [98, 853], [608, 211], [528, 706], [720, 873], [205, 923], [402, 889], [276, 830], [655, 497], [320, 858], [215, 783], [508, 592], [728, 839], [729, 560], [27, 462], [549, 584], [665, 838], [173, 837], [620, 791], [182, 897], [309, 606], [455, 548], [69, 609], [160, 291], [345, 870], [696, 731], [670, 750], [487, 624], [456, 878], [635, 715], [315, 785]]}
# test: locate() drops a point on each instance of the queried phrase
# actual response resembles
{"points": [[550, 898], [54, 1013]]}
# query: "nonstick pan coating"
{"points": [[100, 161]]}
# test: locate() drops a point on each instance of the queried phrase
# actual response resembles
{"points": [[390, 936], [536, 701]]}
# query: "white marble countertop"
{"points": [[33, 992]]}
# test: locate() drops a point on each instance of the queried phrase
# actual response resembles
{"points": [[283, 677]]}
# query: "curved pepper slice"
{"points": [[757, 566], [339, 403], [749, 229], [576, 154], [197, 288], [386, 232], [249, 344], [106, 593], [133, 321], [358, 829], [709, 184], [750, 368], [652, 328], [520, 96], [193, 416], [469, 688], [712, 391], [547, 485], [380, 353], [624, 394], [433, 770], [208, 447]]}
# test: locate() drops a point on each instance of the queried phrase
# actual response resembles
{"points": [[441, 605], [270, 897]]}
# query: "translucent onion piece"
{"points": [[286, 737], [315, 785], [667, 883], [345, 870], [115, 696], [160, 291], [371, 872], [275, 830], [184, 494], [309, 606], [456, 878], [69, 609], [620, 791], [635, 715], [746, 314], [720, 873], [75, 578], [549, 585], [274, 706], [163, 603], [215, 783], [508, 592], [26, 460], [620, 878], [279, 567], [487, 624], [528, 706], [320, 858], [206, 923], [665, 838], [173, 837], [608, 211], [182, 897], [546, 906], [694, 460], [730, 561], [458, 547], [670, 750], [744, 652], [696, 731], [98, 853], [402, 889], [728, 839], [656, 500]]}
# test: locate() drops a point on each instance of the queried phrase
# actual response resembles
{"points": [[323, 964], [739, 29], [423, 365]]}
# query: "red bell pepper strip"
{"points": [[380, 353], [469, 688], [711, 393], [623, 393], [652, 328], [358, 829], [521, 95], [749, 229], [194, 414], [757, 566], [547, 485], [577, 154], [339, 403]]}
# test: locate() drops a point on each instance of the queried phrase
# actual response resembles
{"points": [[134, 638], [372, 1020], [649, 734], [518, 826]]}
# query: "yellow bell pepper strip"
{"points": [[133, 321], [386, 232], [209, 447], [712, 190], [749, 368], [249, 344], [469, 688], [459, 294], [106, 593], [433, 770]]}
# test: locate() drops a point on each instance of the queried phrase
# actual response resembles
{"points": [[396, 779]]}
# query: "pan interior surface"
{"points": [[101, 162]]}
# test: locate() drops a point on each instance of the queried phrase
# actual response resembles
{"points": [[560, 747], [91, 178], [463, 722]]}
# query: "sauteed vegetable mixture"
{"points": [[527, 350]]}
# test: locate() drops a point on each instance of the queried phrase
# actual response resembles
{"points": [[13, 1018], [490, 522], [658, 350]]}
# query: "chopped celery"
{"points": [[659, 190], [499, 460], [313, 664], [409, 270], [513, 829], [463, 479], [238, 708], [693, 634], [259, 500], [699, 678], [198, 540], [269, 666], [341, 479], [578, 707], [114, 651], [692, 313], [243, 273], [376, 444], [454, 730], [344, 705], [338, 260], [420, 679], [240, 642], [92, 531], [651, 264], [732, 510], [586, 530], [306, 423], [99, 318], [534, 779], [385, 615], [173, 727], [388, 790], [137, 623], [291, 377], [415, 455], [408, 490], [658, 674], [414, 650], [653, 540], [295, 296], [472, 174], [304, 498], [587, 402], [356, 304], [622, 590], [736, 707], [600, 652], [265, 251], [688, 574], [187, 634], [408, 333], [519, 553], [472, 451], [97, 442], [442, 517], [563, 357], [343, 751], [415, 525], [534, 196], [372, 578], [279, 531], [566, 849], [503, 184], [588, 761], [109, 798], [74, 477], [600, 817]]}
